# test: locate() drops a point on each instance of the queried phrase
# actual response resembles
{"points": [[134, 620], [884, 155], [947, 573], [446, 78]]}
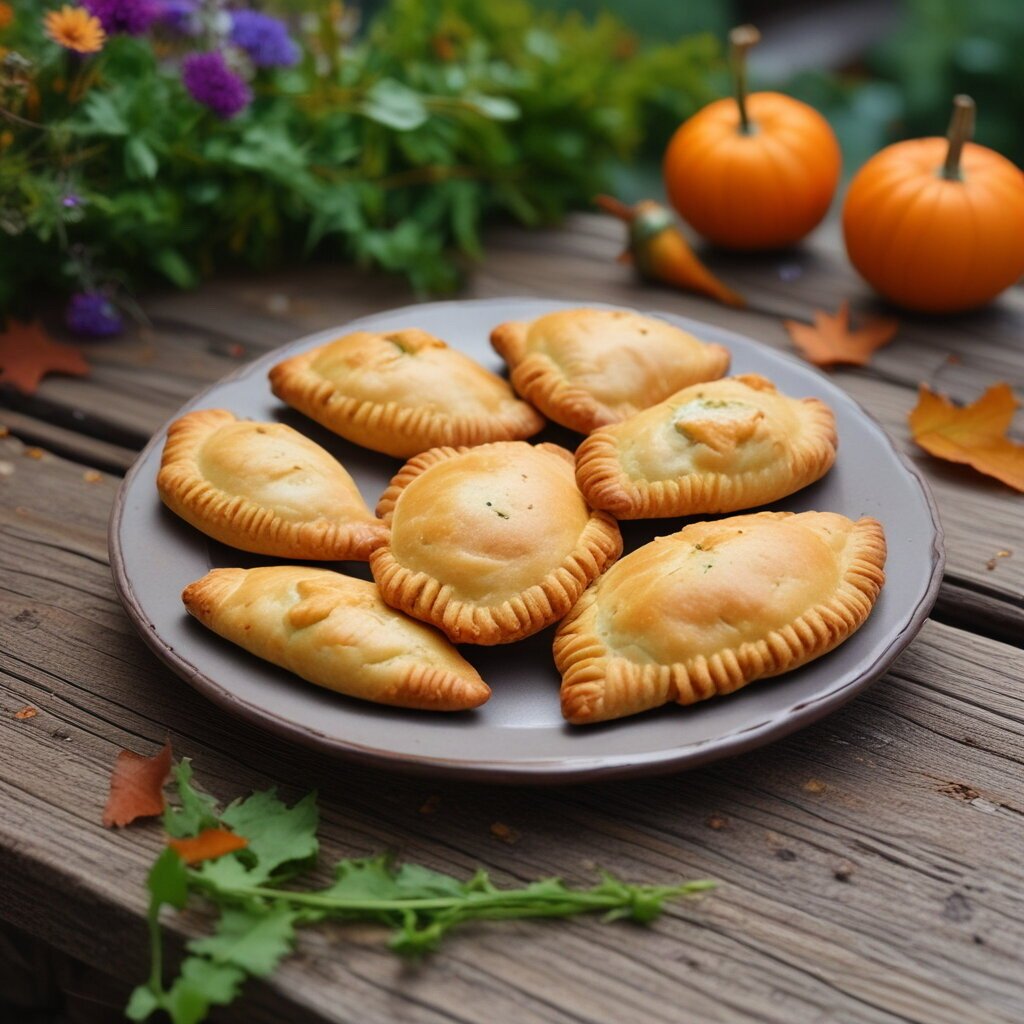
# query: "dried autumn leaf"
{"points": [[974, 434], [208, 845], [137, 786], [830, 341], [28, 354], [26, 712]]}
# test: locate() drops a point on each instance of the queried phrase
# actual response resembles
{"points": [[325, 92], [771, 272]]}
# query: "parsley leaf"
{"points": [[258, 917]]}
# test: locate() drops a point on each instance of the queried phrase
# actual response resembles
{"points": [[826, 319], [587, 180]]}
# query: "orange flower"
{"points": [[6, 15], [75, 28]]}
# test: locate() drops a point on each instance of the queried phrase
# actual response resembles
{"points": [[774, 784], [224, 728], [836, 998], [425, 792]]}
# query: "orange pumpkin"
{"points": [[937, 225], [755, 172]]}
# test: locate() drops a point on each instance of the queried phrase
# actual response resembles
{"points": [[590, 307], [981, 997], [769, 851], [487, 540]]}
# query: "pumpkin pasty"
{"points": [[492, 543], [715, 606], [336, 632], [584, 368], [402, 393], [718, 447], [264, 487]]}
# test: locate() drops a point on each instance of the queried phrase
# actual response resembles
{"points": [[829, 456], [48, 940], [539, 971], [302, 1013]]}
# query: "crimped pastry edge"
{"points": [[540, 381], [421, 687], [397, 430], [607, 486], [240, 522], [589, 671], [426, 598]]}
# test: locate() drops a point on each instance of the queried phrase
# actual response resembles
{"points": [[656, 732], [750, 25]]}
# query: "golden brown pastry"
{"points": [[492, 543], [715, 606], [717, 447], [336, 632], [264, 487], [402, 393], [584, 368]]}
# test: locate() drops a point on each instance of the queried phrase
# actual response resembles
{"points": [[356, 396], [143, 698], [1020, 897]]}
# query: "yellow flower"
{"points": [[6, 15], [75, 28]]}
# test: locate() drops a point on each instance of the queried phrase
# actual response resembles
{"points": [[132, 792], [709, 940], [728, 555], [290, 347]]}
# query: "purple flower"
{"points": [[179, 15], [212, 83], [132, 17], [93, 313], [264, 39], [70, 201]]}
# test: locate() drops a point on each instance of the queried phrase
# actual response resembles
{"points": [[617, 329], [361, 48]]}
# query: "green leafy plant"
{"points": [[255, 891], [389, 148]]}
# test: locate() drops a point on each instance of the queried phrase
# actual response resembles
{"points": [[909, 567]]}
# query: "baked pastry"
{"points": [[492, 543], [584, 368], [336, 632], [714, 607], [717, 447], [264, 487], [401, 393]]}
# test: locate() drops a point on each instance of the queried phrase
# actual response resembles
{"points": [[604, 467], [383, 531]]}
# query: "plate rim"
{"points": [[550, 771]]}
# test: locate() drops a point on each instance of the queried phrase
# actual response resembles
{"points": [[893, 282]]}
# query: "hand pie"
{"points": [[264, 487], [336, 632], [717, 447], [584, 368], [492, 543], [402, 393], [714, 607]]}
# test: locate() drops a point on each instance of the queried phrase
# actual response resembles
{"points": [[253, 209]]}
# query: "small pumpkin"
{"points": [[755, 172], [937, 225]]}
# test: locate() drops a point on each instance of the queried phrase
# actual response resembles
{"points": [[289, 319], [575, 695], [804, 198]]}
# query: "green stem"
{"points": [[156, 949], [501, 901], [741, 39], [961, 128]]}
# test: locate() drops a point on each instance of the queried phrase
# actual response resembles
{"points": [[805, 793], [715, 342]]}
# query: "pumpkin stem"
{"points": [[741, 39], [961, 128]]}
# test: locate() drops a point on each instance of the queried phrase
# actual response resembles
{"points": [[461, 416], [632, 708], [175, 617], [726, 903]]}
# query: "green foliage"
{"points": [[946, 47], [258, 916], [390, 150]]}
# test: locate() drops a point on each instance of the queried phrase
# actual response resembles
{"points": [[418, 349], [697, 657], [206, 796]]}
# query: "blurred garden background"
{"points": [[192, 136]]}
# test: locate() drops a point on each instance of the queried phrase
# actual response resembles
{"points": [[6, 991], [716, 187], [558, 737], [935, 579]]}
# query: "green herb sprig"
{"points": [[260, 907]]}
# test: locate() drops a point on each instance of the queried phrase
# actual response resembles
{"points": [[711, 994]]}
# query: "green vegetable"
{"points": [[259, 915]]}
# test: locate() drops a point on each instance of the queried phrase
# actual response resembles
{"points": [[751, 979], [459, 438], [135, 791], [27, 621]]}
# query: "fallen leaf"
{"points": [[830, 341], [137, 786], [815, 786], [26, 712], [208, 845], [33, 453], [974, 434], [501, 831], [90, 476], [717, 822], [28, 354]]}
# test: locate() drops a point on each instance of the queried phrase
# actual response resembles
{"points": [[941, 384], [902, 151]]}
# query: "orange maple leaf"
{"points": [[28, 354], [208, 845], [830, 340], [974, 434], [137, 786]]}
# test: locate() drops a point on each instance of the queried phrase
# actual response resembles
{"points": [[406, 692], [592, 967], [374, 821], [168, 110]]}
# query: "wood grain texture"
{"points": [[196, 338], [869, 867]]}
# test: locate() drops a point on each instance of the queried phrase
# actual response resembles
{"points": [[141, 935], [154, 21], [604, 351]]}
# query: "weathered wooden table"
{"points": [[871, 867]]}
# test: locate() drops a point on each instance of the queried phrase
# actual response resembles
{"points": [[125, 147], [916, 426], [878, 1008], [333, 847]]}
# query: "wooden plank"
{"points": [[199, 337], [72, 444], [870, 866]]}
